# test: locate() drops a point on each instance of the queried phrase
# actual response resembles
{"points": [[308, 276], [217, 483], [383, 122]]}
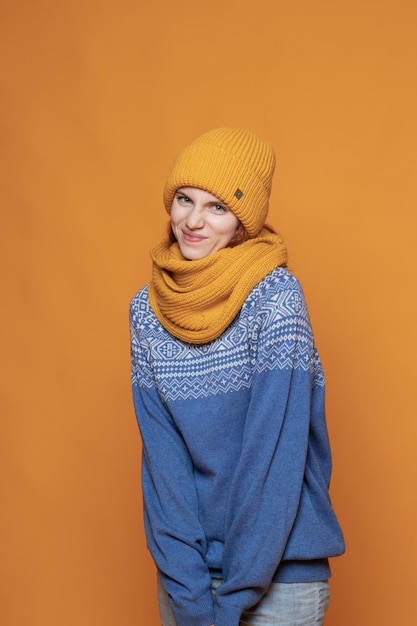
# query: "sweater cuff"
{"points": [[199, 613], [227, 615]]}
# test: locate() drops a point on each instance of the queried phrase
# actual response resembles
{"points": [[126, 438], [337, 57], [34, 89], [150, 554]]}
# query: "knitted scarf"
{"points": [[197, 300]]}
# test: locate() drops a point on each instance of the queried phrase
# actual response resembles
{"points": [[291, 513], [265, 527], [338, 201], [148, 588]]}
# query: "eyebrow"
{"points": [[218, 203]]}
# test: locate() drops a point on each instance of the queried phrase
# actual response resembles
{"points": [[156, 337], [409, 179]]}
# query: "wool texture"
{"points": [[234, 165], [236, 456], [197, 300]]}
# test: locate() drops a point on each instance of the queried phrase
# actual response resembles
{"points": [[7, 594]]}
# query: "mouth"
{"points": [[192, 238]]}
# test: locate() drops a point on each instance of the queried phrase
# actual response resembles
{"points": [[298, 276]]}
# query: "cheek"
{"points": [[232, 228], [175, 215], [173, 212]]}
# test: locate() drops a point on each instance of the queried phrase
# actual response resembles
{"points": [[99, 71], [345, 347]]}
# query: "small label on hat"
{"points": [[238, 193]]}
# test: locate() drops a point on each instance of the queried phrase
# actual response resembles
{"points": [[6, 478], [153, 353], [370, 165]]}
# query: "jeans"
{"points": [[284, 604]]}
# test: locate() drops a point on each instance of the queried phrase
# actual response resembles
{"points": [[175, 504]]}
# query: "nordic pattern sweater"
{"points": [[236, 460]]}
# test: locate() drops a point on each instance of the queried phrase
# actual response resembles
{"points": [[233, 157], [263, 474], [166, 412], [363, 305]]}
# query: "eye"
{"points": [[182, 198], [219, 208]]}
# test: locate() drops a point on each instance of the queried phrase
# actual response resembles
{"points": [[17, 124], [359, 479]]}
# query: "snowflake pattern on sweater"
{"points": [[273, 323]]}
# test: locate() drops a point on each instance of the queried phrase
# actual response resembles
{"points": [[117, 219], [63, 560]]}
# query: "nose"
{"points": [[195, 218]]}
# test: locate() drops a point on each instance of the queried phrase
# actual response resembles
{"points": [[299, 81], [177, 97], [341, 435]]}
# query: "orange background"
{"points": [[96, 99]]}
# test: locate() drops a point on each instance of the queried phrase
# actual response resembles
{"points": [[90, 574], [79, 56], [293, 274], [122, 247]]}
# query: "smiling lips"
{"points": [[191, 238]]}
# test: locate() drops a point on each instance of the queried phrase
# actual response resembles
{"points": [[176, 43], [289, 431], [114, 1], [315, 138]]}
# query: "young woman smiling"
{"points": [[201, 223], [228, 390]]}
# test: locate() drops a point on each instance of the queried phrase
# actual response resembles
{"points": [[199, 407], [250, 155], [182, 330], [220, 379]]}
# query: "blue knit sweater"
{"points": [[236, 457]]}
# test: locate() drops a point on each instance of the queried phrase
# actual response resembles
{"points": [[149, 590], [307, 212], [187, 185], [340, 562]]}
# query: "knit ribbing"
{"points": [[197, 300], [234, 165]]}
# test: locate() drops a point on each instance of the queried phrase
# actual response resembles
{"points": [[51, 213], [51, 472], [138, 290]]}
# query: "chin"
{"points": [[192, 254], [193, 257]]}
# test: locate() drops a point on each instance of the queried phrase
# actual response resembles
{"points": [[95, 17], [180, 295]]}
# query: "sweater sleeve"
{"points": [[267, 484], [173, 531]]}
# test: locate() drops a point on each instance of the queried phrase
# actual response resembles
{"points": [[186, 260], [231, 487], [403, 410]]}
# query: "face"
{"points": [[201, 223]]}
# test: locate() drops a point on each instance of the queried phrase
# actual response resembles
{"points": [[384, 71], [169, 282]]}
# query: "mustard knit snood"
{"points": [[197, 300]]}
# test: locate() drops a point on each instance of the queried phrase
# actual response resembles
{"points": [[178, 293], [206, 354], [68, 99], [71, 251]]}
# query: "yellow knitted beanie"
{"points": [[234, 165]]}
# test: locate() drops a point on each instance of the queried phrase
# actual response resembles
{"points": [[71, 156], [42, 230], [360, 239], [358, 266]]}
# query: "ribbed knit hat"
{"points": [[234, 165]]}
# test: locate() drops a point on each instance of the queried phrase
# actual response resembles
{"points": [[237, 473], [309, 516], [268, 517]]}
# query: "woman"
{"points": [[229, 395]]}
